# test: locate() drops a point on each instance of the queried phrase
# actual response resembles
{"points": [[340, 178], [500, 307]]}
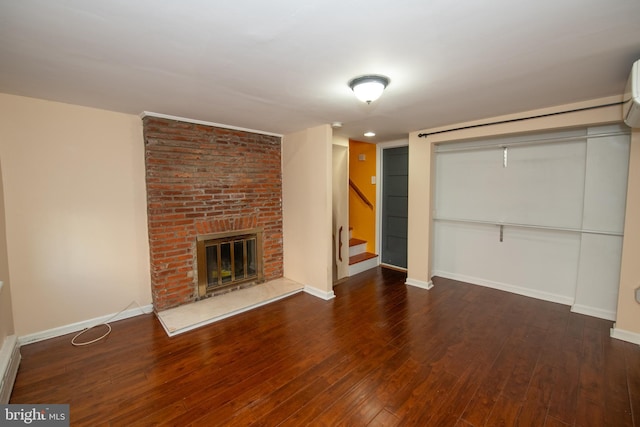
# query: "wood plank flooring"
{"points": [[379, 354]]}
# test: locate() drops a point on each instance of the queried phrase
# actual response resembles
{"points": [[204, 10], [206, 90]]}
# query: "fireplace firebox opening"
{"points": [[227, 260]]}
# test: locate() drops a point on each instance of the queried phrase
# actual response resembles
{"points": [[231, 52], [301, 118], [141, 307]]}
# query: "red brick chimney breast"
{"points": [[203, 180]]}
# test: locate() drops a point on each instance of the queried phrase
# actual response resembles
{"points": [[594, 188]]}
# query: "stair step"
{"points": [[357, 246], [361, 257], [362, 262], [355, 242]]}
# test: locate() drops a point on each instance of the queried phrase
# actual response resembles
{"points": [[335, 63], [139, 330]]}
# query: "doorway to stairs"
{"points": [[369, 222], [362, 206]]}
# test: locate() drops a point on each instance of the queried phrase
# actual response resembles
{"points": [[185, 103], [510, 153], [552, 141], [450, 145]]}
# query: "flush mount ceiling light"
{"points": [[369, 134], [368, 88]]}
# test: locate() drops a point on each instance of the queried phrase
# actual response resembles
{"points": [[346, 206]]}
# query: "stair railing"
{"points": [[360, 194]]}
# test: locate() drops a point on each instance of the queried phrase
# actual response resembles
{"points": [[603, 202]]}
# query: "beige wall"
{"points": [[75, 212], [306, 206], [628, 318], [340, 207], [420, 179], [419, 228], [6, 311]]}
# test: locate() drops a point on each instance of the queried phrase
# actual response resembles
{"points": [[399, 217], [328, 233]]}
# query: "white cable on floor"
{"points": [[79, 344]]}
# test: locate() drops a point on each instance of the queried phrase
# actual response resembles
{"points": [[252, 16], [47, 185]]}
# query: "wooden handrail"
{"points": [[360, 193], [340, 244]]}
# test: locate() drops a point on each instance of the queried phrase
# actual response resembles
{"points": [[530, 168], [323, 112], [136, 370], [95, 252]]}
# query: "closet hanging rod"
{"points": [[520, 119], [537, 227], [449, 148]]}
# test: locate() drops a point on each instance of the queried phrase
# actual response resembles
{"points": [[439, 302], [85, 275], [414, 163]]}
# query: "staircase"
{"points": [[359, 259]]}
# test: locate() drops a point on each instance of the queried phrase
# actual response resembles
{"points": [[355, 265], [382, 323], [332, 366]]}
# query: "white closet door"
{"points": [[542, 217], [607, 168], [462, 180], [544, 184], [536, 263]]}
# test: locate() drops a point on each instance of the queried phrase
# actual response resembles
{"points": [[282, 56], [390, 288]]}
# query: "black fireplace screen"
{"points": [[227, 260]]}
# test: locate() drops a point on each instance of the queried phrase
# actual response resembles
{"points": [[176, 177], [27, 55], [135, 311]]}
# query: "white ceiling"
{"points": [[283, 65]]}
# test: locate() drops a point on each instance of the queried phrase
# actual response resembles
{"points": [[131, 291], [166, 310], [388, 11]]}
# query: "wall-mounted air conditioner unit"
{"points": [[631, 106]]}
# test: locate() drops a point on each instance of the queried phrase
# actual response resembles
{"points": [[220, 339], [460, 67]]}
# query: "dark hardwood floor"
{"points": [[381, 353]]}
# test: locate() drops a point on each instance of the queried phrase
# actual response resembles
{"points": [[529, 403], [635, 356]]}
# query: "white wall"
{"points": [[75, 212], [306, 206]]}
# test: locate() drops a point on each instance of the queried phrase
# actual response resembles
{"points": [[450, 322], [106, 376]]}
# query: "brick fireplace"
{"points": [[203, 181]]}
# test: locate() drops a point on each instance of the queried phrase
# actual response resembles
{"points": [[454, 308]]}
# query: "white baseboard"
{"points": [[593, 312], [318, 293], [527, 292], [623, 335], [419, 283], [75, 327], [9, 363]]}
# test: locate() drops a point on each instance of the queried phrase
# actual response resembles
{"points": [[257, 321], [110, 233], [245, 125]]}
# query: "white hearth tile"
{"points": [[190, 316]]}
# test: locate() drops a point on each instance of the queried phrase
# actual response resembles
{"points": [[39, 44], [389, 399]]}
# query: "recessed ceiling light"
{"points": [[369, 134]]}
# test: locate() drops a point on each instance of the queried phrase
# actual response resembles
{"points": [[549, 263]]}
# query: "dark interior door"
{"points": [[395, 179]]}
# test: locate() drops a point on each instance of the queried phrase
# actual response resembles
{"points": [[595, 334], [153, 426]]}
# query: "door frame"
{"points": [[379, 159]]}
